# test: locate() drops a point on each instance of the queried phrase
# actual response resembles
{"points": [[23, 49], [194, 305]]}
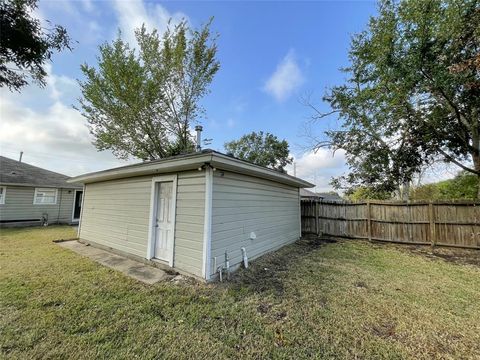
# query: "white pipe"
{"points": [[245, 258], [220, 272], [227, 264]]}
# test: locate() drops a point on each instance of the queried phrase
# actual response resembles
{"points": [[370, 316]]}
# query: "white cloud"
{"points": [[88, 6], [132, 14], [54, 135], [286, 79], [319, 167], [231, 123]]}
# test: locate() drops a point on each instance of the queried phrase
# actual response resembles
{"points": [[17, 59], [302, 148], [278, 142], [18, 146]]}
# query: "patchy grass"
{"points": [[335, 300]]}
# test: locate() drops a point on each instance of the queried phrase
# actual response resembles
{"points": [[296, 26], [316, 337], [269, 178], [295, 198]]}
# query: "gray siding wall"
{"points": [[116, 214], [19, 205], [242, 204]]}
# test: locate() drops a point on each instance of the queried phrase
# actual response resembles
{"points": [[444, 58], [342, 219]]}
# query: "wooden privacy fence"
{"points": [[425, 223]]}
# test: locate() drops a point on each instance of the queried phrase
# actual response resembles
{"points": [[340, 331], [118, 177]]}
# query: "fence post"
{"points": [[431, 218], [369, 220], [317, 225]]}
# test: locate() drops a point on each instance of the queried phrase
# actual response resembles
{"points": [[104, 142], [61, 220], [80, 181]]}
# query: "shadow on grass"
{"points": [[267, 273]]}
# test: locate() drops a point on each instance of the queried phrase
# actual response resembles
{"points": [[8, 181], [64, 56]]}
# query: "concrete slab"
{"points": [[134, 269]]}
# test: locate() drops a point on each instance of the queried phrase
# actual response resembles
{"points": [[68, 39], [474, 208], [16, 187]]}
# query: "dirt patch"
{"points": [[453, 255], [267, 273], [264, 308], [384, 330], [360, 284]]}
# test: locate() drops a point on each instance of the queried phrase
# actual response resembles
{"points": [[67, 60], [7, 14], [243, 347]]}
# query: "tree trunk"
{"points": [[476, 166]]}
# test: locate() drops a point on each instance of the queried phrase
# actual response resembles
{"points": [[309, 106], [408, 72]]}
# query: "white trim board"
{"points": [[207, 224], [4, 195], [151, 233], [81, 211]]}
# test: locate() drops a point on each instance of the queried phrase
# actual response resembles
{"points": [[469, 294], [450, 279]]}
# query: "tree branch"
{"points": [[458, 163]]}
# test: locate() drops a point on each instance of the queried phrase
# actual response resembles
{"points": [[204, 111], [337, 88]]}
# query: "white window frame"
{"points": [[42, 203], [4, 194]]}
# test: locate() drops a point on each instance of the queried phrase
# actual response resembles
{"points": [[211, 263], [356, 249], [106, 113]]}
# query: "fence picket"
{"points": [[439, 223]]}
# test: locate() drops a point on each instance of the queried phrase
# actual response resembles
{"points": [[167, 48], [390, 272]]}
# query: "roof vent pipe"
{"points": [[199, 129]]}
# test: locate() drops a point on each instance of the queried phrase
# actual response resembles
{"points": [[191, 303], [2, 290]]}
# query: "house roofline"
{"points": [[189, 162]]}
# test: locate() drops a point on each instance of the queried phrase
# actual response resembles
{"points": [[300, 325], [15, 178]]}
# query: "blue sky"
{"points": [[271, 53]]}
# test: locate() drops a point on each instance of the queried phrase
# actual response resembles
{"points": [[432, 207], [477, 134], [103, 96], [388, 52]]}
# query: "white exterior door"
{"points": [[164, 221]]}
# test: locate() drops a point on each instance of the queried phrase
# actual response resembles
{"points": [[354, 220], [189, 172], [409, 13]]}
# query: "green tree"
{"points": [[25, 46], [412, 95], [464, 186], [366, 193], [425, 192], [142, 102], [263, 149]]}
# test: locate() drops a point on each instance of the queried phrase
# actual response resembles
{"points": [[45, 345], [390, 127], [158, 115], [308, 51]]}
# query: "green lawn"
{"points": [[336, 300]]}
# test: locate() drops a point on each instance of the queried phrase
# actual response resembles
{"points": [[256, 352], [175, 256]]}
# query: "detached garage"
{"points": [[188, 211]]}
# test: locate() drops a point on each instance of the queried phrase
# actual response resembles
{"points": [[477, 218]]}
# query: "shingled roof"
{"points": [[13, 172]]}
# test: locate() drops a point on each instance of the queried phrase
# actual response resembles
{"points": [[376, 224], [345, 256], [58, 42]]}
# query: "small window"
{"points": [[3, 193], [45, 196]]}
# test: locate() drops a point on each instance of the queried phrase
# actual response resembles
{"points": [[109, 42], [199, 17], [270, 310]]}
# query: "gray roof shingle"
{"points": [[325, 196], [19, 173]]}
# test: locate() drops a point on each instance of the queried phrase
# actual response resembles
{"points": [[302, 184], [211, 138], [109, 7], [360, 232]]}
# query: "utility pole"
{"points": [[21, 155]]}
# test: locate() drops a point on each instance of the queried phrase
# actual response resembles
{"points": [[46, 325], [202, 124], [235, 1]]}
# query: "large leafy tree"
{"points": [[261, 148], [25, 45], [142, 102], [412, 95], [464, 186]]}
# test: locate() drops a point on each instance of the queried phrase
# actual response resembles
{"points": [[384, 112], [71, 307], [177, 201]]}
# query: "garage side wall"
{"points": [[189, 220], [243, 204], [116, 214]]}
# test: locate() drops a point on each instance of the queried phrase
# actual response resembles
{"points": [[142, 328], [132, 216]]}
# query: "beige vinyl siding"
{"points": [[189, 219], [19, 205], [242, 204], [116, 214]]}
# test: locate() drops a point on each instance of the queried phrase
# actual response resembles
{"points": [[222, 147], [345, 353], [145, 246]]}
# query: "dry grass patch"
{"points": [[310, 299]]}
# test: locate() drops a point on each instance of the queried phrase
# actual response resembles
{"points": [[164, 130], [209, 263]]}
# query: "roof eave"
{"points": [[144, 169], [225, 162], [62, 186], [217, 160]]}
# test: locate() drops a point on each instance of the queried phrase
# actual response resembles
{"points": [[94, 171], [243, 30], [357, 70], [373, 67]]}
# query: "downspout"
{"points": [[207, 223]]}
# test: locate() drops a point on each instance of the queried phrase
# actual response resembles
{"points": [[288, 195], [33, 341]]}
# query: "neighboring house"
{"points": [[330, 196], [30, 195], [310, 195], [191, 211]]}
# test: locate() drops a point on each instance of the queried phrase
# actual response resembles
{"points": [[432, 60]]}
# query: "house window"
{"points": [[45, 196], [3, 192]]}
